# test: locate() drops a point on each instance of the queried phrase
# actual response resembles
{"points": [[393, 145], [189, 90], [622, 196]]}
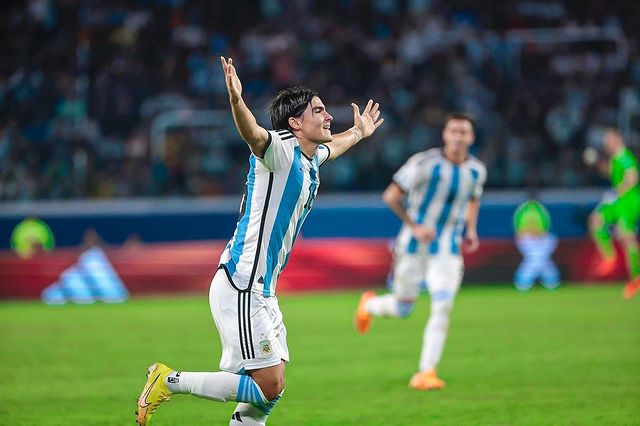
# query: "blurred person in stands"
{"points": [[282, 184], [619, 208], [442, 188], [536, 244]]}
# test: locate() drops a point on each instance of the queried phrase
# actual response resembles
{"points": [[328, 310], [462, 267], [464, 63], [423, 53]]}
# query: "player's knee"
{"points": [[628, 238], [595, 221], [271, 386], [405, 308]]}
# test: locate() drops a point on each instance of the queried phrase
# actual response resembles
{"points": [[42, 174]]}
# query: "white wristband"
{"points": [[358, 138]]}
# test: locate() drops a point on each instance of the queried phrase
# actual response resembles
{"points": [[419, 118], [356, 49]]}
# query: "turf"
{"points": [[568, 357]]}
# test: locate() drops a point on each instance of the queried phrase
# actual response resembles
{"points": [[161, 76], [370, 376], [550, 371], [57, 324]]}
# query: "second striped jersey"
{"points": [[438, 192]]}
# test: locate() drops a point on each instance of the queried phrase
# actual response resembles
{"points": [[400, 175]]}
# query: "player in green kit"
{"points": [[622, 209]]}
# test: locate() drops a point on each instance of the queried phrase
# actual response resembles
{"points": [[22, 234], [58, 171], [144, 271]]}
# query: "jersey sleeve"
{"points": [[478, 188], [409, 175], [628, 161], [323, 154], [278, 153]]}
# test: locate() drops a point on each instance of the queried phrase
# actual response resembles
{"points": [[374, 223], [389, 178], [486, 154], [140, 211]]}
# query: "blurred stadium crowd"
{"points": [[82, 81]]}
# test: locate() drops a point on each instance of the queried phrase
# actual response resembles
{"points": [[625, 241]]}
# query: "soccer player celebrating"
{"points": [[623, 210], [443, 188], [282, 183]]}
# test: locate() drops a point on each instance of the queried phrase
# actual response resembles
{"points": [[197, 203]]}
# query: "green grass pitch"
{"points": [[567, 357]]}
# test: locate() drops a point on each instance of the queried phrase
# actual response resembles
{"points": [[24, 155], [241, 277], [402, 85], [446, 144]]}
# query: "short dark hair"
{"points": [[460, 116], [289, 103]]}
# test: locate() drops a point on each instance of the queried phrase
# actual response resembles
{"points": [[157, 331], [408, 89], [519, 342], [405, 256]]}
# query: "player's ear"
{"points": [[295, 123]]}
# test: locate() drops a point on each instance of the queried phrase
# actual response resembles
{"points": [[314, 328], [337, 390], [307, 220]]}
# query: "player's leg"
{"points": [[599, 223], [627, 232], [407, 276], [271, 381], [264, 358], [444, 275]]}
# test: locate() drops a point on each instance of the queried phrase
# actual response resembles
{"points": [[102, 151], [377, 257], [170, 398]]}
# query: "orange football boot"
{"points": [[426, 380], [631, 288], [605, 267], [363, 318]]}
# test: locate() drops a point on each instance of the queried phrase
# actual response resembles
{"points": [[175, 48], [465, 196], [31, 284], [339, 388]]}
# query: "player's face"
{"points": [[458, 134], [315, 123], [612, 141]]}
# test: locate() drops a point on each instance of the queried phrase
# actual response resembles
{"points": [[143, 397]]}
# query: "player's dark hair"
{"points": [[289, 103], [461, 116]]}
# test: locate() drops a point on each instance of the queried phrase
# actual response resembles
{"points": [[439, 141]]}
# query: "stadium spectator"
{"points": [[80, 79]]}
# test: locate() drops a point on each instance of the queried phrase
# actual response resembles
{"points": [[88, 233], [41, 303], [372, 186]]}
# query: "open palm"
{"points": [[369, 120]]}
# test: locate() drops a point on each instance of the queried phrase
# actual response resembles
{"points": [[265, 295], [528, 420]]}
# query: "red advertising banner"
{"points": [[315, 265]]}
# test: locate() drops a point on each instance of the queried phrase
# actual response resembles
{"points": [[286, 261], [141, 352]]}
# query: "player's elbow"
{"points": [[390, 197]]}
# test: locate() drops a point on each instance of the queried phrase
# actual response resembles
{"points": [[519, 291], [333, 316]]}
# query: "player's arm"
{"points": [[255, 136], [393, 196], [363, 126], [629, 180], [604, 167], [471, 241]]}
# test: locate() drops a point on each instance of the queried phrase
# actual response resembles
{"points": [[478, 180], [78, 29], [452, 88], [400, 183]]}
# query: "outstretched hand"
{"points": [[234, 87], [369, 120], [471, 242]]}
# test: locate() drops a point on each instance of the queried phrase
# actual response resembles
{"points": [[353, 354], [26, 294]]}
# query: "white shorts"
{"points": [[442, 274], [250, 325]]}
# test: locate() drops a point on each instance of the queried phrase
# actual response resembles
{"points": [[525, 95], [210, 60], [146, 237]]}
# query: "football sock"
{"points": [[253, 414], [435, 334], [602, 238], [383, 306], [247, 415], [220, 386], [633, 260]]}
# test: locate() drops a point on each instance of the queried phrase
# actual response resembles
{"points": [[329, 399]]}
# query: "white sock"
{"points": [[220, 386], [383, 306], [247, 415], [435, 335]]}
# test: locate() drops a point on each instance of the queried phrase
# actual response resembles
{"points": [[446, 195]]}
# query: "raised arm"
{"points": [[363, 126], [255, 136]]}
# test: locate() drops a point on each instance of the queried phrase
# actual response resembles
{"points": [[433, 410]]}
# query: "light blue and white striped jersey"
{"points": [[438, 192], [281, 188]]}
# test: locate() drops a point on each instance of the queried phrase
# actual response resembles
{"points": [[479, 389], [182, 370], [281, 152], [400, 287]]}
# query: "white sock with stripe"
{"points": [[435, 335], [248, 415], [220, 386], [383, 306]]}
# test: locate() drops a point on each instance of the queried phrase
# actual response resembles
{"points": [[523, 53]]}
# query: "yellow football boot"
{"points": [[154, 393]]}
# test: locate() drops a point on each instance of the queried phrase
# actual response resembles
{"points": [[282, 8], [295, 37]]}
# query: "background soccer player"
{"points": [[443, 188], [283, 179], [622, 209]]}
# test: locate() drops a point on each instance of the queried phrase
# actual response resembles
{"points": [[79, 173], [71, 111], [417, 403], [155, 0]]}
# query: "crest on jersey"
{"points": [[265, 347]]}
